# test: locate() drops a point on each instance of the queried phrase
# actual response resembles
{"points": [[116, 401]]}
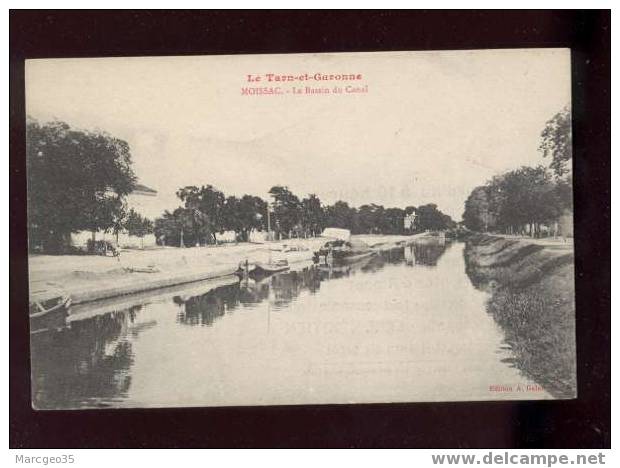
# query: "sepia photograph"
{"points": [[295, 229]]}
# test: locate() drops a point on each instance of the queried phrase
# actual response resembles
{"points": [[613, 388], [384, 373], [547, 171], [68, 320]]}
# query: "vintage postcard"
{"points": [[300, 229]]}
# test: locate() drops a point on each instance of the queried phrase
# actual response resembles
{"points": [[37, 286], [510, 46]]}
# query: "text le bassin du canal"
{"points": [[305, 84]]}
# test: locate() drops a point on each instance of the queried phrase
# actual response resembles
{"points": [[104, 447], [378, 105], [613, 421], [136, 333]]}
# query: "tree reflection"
{"points": [[88, 362], [394, 256], [280, 289], [427, 253], [253, 292], [366, 265], [207, 308], [287, 286]]}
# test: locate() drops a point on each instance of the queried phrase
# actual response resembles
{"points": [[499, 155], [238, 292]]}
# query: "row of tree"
{"points": [[77, 181], [207, 212], [525, 200], [136, 225], [375, 219]]}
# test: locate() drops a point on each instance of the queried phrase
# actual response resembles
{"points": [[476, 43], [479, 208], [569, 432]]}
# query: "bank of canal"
{"points": [[532, 297], [407, 325]]}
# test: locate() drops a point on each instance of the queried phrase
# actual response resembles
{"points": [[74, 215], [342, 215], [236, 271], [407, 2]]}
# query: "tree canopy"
{"points": [[137, 225], [286, 208], [208, 210], [557, 142], [526, 198], [77, 181]]}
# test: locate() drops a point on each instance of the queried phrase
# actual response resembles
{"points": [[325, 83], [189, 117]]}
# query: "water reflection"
{"points": [[205, 309], [425, 253], [529, 317], [286, 287], [131, 357], [89, 362]]}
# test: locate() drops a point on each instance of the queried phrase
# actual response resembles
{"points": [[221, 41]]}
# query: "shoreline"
{"points": [[89, 279], [532, 298]]}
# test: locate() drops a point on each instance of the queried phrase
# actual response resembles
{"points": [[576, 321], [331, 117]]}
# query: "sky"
{"points": [[430, 127]]}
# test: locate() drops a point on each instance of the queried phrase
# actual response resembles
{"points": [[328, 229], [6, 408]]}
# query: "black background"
{"points": [[584, 422]]}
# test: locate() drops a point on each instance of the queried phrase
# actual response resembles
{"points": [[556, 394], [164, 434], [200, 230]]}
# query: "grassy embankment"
{"points": [[533, 300], [89, 278]]}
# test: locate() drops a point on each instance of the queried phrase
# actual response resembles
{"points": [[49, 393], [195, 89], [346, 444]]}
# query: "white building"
{"points": [[409, 221], [142, 200]]}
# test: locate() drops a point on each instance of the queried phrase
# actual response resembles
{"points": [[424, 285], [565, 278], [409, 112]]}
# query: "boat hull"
{"points": [[54, 318], [335, 259], [261, 270]]}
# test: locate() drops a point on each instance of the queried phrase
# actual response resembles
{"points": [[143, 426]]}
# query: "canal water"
{"points": [[405, 326]]}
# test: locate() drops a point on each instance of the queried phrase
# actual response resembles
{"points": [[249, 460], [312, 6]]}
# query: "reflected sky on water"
{"points": [[406, 325]]}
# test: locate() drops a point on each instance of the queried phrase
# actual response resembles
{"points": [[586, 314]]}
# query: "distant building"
{"points": [[409, 222], [143, 200]]}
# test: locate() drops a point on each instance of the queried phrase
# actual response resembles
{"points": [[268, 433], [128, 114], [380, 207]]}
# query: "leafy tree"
{"points": [[167, 229], [287, 210], [231, 219], [431, 219], [517, 201], [377, 219], [564, 193], [341, 215], [206, 207], [77, 180], [478, 215], [244, 214], [137, 225], [181, 228], [393, 221], [119, 220], [253, 214], [529, 198], [313, 215], [369, 218], [557, 142], [191, 225]]}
